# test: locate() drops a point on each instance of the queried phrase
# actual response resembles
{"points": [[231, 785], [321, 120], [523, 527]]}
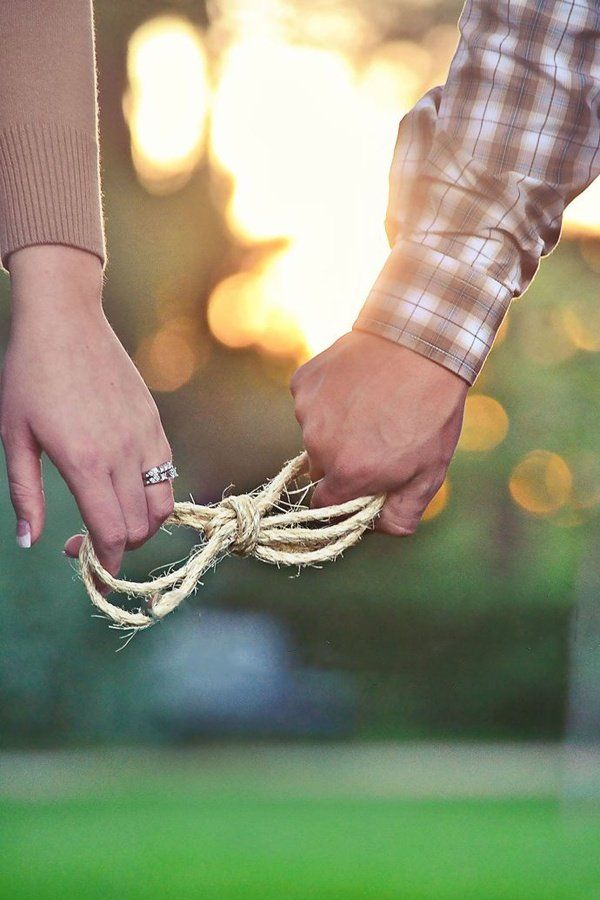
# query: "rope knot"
{"points": [[258, 524], [248, 519]]}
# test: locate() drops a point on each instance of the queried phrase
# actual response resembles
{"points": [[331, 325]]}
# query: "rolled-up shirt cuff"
{"points": [[49, 189], [439, 306]]}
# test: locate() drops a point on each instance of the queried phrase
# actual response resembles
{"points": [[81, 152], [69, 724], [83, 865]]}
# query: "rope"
{"points": [[245, 525]]}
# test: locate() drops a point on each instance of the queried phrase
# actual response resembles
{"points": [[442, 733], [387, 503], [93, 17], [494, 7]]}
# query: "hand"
{"points": [[69, 389], [377, 417]]}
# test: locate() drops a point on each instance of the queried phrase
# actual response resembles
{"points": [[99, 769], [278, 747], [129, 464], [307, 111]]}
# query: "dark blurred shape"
{"points": [[581, 765], [234, 673]]}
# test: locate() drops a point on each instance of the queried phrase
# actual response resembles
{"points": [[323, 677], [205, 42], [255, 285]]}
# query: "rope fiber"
{"points": [[246, 525]]}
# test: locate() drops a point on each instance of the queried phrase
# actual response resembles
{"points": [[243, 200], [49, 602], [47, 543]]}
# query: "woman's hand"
{"points": [[69, 389], [378, 418]]}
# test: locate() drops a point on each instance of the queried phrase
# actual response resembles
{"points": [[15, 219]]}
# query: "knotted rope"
{"points": [[245, 525]]}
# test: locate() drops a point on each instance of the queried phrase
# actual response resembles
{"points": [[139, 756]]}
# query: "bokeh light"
{"points": [[485, 423], [438, 503], [236, 314], [582, 324], [543, 336], [585, 467], [169, 359], [166, 102], [541, 483], [589, 248], [243, 311]]}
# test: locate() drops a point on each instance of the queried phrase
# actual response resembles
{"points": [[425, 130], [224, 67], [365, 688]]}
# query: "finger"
{"points": [[129, 488], [328, 493], [342, 483], [24, 468], [402, 512], [315, 471], [73, 545], [160, 503], [400, 515], [160, 507], [101, 512]]}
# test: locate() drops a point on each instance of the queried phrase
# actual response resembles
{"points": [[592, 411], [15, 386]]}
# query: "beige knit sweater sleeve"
{"points": [[49, 172]]}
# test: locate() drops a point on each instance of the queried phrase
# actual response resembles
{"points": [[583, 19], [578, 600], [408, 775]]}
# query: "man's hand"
{"points": [[69, 389], [378, 418]]}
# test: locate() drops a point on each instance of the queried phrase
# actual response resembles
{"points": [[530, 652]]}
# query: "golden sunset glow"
{"points": [[541, 483], [166, 103], [303, 121], [243, 311], [308, 156]]}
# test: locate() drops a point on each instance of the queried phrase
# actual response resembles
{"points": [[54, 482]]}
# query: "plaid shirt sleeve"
{"points": [[482, 172]]}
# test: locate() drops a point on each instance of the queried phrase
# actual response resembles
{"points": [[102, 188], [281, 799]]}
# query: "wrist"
{"points": [[408, 360], [55, 280]]}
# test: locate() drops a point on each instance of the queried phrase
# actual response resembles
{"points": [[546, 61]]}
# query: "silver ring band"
{"points": [[165, 472]]}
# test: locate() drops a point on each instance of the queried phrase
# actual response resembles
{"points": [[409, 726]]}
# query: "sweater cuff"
{"points": [[439, 306], [49, 189]]}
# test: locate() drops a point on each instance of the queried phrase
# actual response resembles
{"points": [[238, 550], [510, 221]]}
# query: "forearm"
{"points": [[483, 170], [52, 283], [49, 175]]}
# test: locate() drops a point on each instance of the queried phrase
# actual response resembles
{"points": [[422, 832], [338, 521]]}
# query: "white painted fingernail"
{"points": [[23, 534]]}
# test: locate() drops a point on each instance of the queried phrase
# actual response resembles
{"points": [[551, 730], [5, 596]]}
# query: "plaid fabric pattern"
{"points": [[483, 169]]}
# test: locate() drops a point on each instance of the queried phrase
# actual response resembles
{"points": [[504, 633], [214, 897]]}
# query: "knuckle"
{"points": [[113, 538], [312, 436], [296, 381], [338, 474], [398, 518], [160, 512], [85, 460], [349, 471], [137, 534], [394, 526], [300, 410], [127, 446], [328, 494], [429, 488], [435, 486]]}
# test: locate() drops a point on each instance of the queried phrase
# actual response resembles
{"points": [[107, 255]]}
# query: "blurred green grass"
{"points": [[227, 847], [322, 822]]}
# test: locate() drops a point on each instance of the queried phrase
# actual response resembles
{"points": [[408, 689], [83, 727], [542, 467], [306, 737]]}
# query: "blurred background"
{"points": [[376, 718]]}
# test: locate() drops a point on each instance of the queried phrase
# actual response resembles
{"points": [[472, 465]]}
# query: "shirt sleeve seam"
{"points": [[364, 320]]}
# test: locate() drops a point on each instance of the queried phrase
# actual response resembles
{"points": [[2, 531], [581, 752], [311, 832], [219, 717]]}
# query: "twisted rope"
{"points": [[245, 525]]}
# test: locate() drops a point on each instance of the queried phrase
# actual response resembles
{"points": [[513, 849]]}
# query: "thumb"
{"points": [[24, 470]]}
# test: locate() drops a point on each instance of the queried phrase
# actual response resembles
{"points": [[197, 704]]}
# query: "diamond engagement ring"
{"points": [[165, 472]]}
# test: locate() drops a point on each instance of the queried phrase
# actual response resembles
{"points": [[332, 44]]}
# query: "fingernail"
{"points": [[23, 534]]}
